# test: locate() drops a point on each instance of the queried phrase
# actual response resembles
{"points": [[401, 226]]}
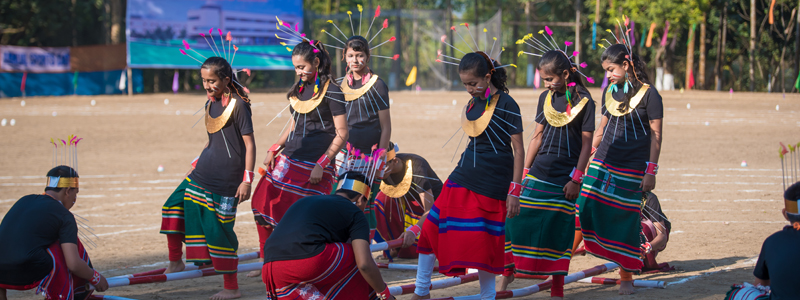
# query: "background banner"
{"points": [[156, 30], [34, 59]]}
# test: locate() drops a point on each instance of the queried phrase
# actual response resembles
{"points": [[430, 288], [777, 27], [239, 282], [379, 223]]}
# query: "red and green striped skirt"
{"points": [[206, 220], [465, 230], [610, 204], [539, 240], [394, 215]]}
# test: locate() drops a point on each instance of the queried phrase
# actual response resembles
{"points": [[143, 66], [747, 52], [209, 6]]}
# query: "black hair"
{"points": [[306, 51], [618, 54], [556, 62], [354, 176], [223, 69], [478, 64], [357, 43], [60, 171], [793, 217]]}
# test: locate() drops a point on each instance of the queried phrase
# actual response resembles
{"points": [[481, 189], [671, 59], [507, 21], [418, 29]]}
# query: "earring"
{"points": [[316, 82]]}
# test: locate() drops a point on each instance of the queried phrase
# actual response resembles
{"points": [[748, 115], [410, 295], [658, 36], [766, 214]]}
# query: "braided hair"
{"points": [[309, 52]]}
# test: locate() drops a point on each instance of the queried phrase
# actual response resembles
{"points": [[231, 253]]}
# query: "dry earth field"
{"points": [[721, 212]]}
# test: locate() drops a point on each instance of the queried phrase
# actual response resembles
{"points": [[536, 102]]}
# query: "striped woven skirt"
{"points": [[59, 283], [206, 220], [539, 240], [284, 185], [330, 275], [610, 204], [394, 215], [464, 230]]}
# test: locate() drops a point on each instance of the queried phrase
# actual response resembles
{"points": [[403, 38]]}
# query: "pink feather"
{"points": [[392, 39], [316, 51], [438, 52], [452, 28], [76, 142], [583, 65], [438, 60], [203, 35], [64, 142], [547, 29], [568, 43], [220, 31], [396, 56], [571, 84], [444, 37], [228, 37], [246, 71], [590, 80], [575, 53], [385, 23], [378, 11], [303, 34], [466, 25], [183, 52], [209, 30], [185, 44], [246, 90]]}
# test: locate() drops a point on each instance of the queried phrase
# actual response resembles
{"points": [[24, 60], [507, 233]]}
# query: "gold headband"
{"points": [[62, 182], [791, 206], [390, 154], [354, 185]]}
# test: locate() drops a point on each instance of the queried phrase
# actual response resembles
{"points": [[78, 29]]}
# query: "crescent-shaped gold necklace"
{"points": [[558, 119], [399, 190], [307, 106], [476, 127], [215, 124], [351, 94], [612, 106]]}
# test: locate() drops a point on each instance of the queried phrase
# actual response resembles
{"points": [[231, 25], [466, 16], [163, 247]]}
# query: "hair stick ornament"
{"points": [[552, 45], [222, 43], [209, 44], [210, 31], [186, 45], [470, 35], [384, 26]]}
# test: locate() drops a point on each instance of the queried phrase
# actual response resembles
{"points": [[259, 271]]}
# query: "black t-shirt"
{"points": [[27, 230], [779, 262], [561, 146], [424, 177], [314, 132], [480, 169], [362, 115], [221, 165], [626, 139], [311, 223]]}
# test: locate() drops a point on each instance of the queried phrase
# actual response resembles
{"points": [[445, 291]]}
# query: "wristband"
{"points": [[652, 168], [415, 229], [274, 148], [594, 149], [525, 172], [576, 176], [248, 176], [647, 247], [95, 278], [194, 162], [514, 189], [323, 161], [385, 294]]}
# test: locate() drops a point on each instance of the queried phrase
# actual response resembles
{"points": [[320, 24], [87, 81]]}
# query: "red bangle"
{"points": [[248, 176], [525, 172], [194, 162], [652, 168], [576, 176], [385, 294], [274, 148], [514, 189], [414, 229], [324, 161], [594, 149], [95, 278]]}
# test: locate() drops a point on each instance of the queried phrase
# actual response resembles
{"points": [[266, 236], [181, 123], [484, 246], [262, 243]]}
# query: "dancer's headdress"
{"points": [[65, 153], [366, 36], [489, 55], [548, 43], [626, 41], [371, 166], [393, 149], [790, 171], [227, 54]]}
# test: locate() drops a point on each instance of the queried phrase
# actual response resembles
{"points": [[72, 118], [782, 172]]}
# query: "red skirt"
{"points": [[332, 274], [394, 215], [59, 284], [465, 230], [284, 185]]}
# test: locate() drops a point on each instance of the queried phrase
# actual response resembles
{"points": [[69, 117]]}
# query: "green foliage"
{"points": [[48, 23]]}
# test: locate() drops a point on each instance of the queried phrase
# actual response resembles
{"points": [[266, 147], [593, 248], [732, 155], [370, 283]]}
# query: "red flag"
{"points": [[691, 79], [24, 78]]}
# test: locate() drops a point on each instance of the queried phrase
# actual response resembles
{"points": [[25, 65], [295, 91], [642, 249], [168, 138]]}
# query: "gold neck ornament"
{"points": [[400, 189], [351, 94], [307, 106], [612, 106], [476, 127], [558, 119], [216, 124]]}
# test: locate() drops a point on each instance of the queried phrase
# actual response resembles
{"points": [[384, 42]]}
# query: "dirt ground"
{"points": [[720, 212]]}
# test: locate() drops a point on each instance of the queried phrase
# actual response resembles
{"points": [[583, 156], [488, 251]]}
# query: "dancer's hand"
{"points": [[408, 239], [102, 285], [316, 174], [243, 193], [269, 161], [648, 183], [571, 190], [512, 206]]}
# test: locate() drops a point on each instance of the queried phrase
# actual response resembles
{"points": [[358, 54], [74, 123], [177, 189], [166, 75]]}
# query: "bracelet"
{"points": [[525, 172], [95, 278], [647, 247], [324, 161], [576, 176], [594, 149], [248, 176], [274, 148], [514, 189], [385, 294], [652, 168], [415, 229], [194, 162]]}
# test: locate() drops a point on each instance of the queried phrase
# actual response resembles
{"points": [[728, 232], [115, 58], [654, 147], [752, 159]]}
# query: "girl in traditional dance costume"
{"points": [[316, 131], [407, 192], [368, 119], [202, 210], [465, 227], [539, 240], [41, 246], [628, 144]]}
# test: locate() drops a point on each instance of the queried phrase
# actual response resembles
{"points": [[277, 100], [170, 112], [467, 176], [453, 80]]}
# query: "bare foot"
{"points": [[626, 288], [255, 273], [393, 252], [175, 266], [226, 294], [504, 282], [418, 297]]}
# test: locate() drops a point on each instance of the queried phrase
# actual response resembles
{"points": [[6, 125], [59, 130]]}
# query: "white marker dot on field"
{"points": [[93, 102], [3, 122], [55, 114], [455, 102], [279, 115], [22, 103], [177, 112], [688, 106], [166, 101], [777, 107], [13, 122], [391, 101], [707, 123]]}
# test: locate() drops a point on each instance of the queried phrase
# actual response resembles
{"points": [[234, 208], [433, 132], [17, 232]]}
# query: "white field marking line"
{"points": [[726, 175], [129, 230], [721, 169], [721, 200], [137, 188], [726, 182], [676, 232], [690, 278]]}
